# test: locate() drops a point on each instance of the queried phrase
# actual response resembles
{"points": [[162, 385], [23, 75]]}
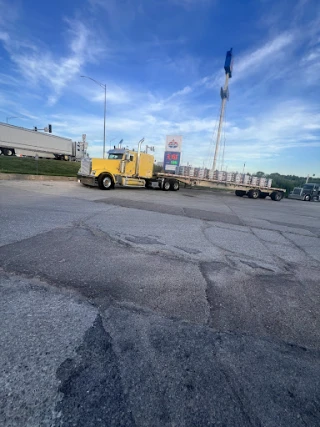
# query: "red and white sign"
{"points": [[174, 143]]}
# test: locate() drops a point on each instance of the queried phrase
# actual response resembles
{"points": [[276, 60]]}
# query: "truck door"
{"points": [[131, 165]]}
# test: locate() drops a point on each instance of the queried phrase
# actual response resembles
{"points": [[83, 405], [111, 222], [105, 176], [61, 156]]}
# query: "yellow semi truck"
{"points": [[127, 168]]}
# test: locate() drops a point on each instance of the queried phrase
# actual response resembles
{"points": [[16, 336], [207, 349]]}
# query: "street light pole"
{"points": [[104, 86]]}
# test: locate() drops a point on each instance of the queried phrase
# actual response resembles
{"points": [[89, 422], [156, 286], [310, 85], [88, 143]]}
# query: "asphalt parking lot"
{"points": [[148, 308]]}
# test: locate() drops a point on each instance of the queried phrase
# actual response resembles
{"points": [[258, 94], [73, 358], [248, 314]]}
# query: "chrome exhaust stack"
{"points": [[138, 159]]}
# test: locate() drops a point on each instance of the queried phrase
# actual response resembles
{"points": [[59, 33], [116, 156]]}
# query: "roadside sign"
{"points": [[174, 143], [171, 160]]}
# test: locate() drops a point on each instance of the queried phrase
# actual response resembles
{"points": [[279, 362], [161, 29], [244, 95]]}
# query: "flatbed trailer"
{"points": [[252, 191]]}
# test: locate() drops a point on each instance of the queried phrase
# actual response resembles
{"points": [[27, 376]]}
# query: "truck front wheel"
{"points": [[105, 182]]}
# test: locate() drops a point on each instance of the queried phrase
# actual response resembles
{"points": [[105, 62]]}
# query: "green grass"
{"points": [[29, 166]]}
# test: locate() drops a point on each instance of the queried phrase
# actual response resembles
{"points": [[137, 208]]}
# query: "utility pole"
{"points": [[224, 93]]}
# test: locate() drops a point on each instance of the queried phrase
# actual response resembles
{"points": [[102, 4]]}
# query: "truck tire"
{"points": [[307, 198], [174, 185], [105, 182], [240, 193], [254, 194], [8, 152], [166, 185], [276, 196]]}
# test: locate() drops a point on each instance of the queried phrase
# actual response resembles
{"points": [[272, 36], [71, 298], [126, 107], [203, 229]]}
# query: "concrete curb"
{"points": [[22, 177]]}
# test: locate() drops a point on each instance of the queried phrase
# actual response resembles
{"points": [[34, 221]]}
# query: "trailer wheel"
{"points": [[240, 193], [174, 185], [105, 182], [8, 152], [166, 185], [276, 196], [254, 194]]}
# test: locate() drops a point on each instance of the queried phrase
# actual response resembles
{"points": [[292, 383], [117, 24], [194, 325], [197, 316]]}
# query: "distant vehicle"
{"points": [[129, 168], [308, 192], [20, 142]]}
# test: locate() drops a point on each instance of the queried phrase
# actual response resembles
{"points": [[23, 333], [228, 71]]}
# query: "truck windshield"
{"points": [[308, 187], [115, 156]]}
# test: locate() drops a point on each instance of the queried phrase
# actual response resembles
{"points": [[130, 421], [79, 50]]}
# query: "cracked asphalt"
{"points": [[146, 308]]}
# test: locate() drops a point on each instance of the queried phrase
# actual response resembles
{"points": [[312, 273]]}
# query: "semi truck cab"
{"points": [[125, 167], [308, 192]]}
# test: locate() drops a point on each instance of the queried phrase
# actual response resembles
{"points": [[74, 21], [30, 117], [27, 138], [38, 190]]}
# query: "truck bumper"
{"points": [[88, 180]]}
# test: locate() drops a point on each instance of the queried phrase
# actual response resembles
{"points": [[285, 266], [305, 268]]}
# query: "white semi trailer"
{"points": [[18, 141]]}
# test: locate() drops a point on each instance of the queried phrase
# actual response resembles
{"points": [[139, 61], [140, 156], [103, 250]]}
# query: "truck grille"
{"points": [[85, 167]]}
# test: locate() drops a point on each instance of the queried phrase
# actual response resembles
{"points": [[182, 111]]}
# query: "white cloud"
{"points": [[245, 65], [288, 125], [268, 135], [114, 94], [43, 67], [4, 37], [185, 91], [314, 55], [7, 80], [256, 59]]}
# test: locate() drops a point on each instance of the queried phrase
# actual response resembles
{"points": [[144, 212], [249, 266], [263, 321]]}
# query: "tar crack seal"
{"points": [[91, 385]]}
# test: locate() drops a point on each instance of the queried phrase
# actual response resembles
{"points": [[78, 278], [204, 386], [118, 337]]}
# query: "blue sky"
{"points": [[162, 62]]}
